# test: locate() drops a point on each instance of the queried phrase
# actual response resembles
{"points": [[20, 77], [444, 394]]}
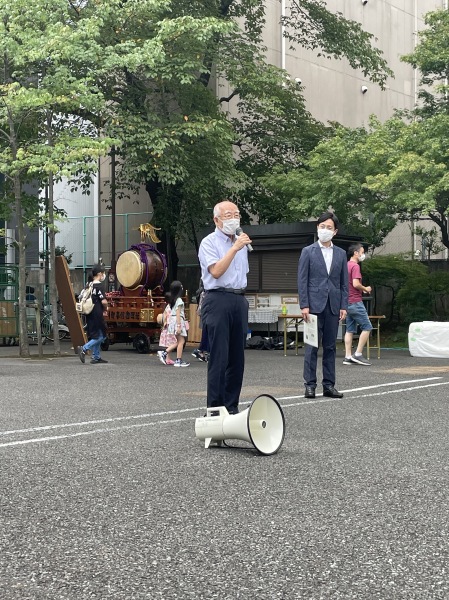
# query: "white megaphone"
{"points": [[262, 424]]}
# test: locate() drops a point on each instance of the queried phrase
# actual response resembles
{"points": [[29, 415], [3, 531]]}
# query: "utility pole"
{"points": [[112, 276]]}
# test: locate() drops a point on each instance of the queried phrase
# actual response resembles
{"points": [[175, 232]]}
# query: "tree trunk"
{"points": [[24, 350], [52, 270], [51, 240]]}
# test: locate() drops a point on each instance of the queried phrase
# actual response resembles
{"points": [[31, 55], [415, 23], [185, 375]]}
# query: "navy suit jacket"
{"points": [[316, 286]]}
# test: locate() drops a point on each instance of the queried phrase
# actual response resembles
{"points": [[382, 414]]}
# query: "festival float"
{"points": [[133, 309]]}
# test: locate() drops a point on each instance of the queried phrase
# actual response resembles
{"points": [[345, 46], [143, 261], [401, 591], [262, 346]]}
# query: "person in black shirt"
{"points": [[96, 326]]}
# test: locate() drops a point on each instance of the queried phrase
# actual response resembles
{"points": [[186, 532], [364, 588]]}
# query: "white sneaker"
{"points": [[181, 363], [162, 356]]}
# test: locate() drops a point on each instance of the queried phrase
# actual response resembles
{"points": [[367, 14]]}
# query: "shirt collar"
{"points": [[325, 247], [222, 235]]}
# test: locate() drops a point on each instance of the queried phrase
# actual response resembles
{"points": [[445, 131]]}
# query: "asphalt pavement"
{"points": [[107, 493]]}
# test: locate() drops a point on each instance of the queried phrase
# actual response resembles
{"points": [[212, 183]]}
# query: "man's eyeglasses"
{"points": [[229, 215]]}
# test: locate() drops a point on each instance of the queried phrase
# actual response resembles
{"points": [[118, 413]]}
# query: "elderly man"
{"points": [[223, 258]]}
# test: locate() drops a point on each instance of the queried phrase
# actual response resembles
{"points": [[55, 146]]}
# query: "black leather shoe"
{"points": [[309, 392], [331, 392]]}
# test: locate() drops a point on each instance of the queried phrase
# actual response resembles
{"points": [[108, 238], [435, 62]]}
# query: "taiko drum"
{"points": [[145, 268]]}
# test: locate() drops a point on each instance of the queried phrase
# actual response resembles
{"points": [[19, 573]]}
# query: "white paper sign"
{"points": [[311, 331]]}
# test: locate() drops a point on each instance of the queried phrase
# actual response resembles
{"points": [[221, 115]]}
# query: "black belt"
{"points": [[240, 291]]}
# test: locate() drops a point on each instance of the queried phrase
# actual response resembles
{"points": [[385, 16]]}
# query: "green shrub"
{"points": [[392, 272], [424, 298]]}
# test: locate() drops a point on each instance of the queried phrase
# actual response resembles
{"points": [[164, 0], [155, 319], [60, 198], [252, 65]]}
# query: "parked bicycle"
{"points": [[47, 323]]}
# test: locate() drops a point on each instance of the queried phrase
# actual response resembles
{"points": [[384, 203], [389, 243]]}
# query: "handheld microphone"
{"points": [[238, 232]]}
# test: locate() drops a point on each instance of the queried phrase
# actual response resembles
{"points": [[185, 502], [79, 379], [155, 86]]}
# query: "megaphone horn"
{"points": [[261, 424]]}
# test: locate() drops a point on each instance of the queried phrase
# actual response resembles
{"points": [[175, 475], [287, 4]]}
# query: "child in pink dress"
{"points": [[177, 325], [167, 339]]}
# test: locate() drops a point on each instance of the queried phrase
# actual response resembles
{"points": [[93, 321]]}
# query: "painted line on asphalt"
{"points": [[183, 410], [372, 387], [384, 393], [98, 421], [179, 411], [91, 432]]}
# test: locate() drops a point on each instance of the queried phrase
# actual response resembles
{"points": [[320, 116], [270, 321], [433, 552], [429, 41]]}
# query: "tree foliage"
{"points": [[431, 57], [392, 272], [415, 178], [311, 25], [40, 139], [335, 174], [174, 126], [145, 73]]}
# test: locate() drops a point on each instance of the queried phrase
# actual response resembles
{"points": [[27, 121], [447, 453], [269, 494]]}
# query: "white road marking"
{"points": [[197, 409], [384, 393], [91, 432], [98, 421], [372, 387]]}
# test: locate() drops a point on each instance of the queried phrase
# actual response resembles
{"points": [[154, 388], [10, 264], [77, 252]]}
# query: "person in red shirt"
{"points": [[356, 315]]}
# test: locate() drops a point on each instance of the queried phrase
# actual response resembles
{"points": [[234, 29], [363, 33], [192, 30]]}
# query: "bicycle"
{"points": [[47, 324]]}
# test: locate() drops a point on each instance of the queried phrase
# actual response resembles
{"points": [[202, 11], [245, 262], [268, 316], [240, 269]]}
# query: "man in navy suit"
{"points": [[323, 291]]}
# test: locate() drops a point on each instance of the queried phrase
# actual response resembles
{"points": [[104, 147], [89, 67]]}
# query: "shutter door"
{"points": [[253, 276], [280, 271]]}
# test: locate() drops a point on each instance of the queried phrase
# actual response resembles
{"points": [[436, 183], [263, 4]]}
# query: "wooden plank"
{"points": [[194, 331], [67, 298]]}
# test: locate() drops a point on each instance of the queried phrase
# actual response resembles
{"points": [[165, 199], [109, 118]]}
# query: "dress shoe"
{"points": [[309, 392], [331, 392]]}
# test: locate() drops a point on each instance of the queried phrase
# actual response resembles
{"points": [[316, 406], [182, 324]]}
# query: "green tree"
{"points": [[40, 140], [431, 57], [144, 73], [416, 181], [335, 174], [173, 127]]}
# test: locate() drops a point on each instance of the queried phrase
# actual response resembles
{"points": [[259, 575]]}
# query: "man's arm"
{"points": [[344, 286], [221, 266], [359, 286], [303, 283]]}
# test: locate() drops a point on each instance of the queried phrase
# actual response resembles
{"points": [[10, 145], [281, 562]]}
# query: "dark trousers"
{"points": [[225, 317], [327, 333], [204, 344]]}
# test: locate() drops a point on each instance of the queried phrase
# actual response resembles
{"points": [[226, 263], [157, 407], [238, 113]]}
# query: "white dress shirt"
{"points": [[328, 253]]}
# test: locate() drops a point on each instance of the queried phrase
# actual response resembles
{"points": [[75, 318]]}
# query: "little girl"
{"points": [[176, 326], [167, 339]]}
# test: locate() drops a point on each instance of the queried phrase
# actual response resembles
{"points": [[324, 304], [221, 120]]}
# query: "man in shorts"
{"points": [[356, 315]]}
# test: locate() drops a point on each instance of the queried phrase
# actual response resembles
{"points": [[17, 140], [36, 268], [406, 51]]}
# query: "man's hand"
{"points": [[342, 314], [305, 314], [368, 289], [241, 241]]}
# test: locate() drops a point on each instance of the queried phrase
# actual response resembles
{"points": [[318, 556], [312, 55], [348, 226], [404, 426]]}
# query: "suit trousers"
{"points": [[327, 334], [225, 317]]}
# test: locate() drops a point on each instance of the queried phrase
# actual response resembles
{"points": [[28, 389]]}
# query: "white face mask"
{"points": [[325, 235], [103, 277], [362, 257], [230, 226]]}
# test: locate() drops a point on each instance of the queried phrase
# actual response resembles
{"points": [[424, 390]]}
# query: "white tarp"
{"points": [[429, 339]]}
